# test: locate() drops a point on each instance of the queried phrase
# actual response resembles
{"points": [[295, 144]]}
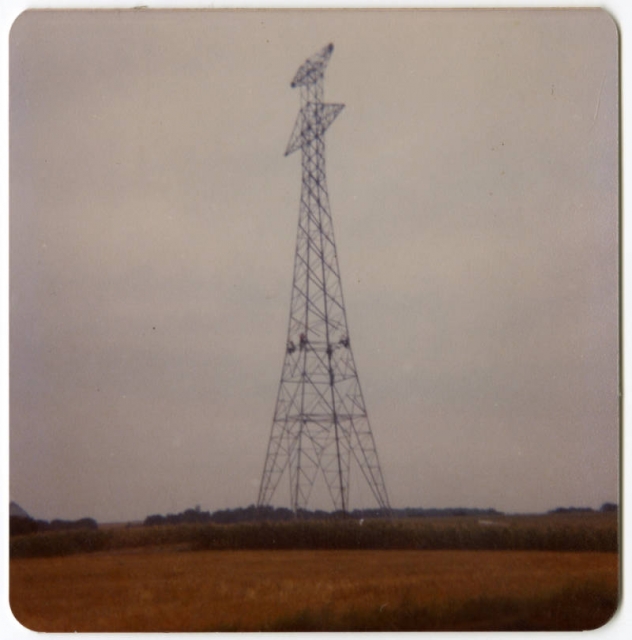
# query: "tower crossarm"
{"points": [[312, 122]]}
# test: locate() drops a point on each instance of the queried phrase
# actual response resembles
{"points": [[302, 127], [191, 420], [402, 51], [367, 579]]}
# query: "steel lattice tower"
{"points": [[320, 421]]}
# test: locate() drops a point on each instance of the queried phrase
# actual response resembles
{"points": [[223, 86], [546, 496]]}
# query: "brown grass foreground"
{"points": [[165, 590]]}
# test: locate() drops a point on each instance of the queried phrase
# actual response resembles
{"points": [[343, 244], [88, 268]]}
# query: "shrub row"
{"points": [[390, 535], [58, 543], [349, 534], [253, 513], [21, 525]]}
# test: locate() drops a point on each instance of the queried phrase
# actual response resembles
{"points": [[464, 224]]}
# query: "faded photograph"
{"points": [[205, 433]]}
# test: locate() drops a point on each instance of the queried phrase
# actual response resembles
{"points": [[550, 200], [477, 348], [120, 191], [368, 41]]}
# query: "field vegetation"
{"points": [[557, 572], [558, 532], [151, 590]]}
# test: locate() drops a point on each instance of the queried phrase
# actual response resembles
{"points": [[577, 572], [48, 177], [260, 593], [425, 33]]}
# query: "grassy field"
{"points": [[550, 572], [162, 589]]}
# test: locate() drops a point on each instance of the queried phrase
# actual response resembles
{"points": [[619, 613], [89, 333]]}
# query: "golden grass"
{"points": [[165, 590]]}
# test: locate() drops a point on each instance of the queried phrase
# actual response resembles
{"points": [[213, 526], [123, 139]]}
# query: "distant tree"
{"points": [[572, 510], [194, 516], [87, 523], [609, 507], [152, 521], [68, 525], [20, 525]]}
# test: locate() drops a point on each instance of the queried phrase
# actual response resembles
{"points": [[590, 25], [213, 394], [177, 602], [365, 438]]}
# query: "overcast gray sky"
{"points": [[473, 181]]}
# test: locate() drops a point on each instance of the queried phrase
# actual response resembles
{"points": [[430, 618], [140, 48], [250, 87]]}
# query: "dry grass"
{"points": [[164, 590]]}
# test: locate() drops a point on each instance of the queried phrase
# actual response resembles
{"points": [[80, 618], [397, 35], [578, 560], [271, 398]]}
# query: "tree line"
{"points": [[20, 525], [253, 513]]}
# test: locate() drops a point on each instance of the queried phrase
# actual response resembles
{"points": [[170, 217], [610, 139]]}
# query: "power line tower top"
{"points": [[313, 69], [315, 117], [320, 425]]}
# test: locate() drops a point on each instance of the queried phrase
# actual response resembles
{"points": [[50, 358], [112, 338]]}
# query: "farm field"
{"points": [[166, 589]]}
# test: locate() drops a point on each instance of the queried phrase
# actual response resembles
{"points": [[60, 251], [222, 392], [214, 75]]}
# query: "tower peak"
{"points": [[313, 68]]}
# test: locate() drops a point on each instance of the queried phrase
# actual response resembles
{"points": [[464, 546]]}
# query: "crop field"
{"points": [[513, 573], [163, 590]]}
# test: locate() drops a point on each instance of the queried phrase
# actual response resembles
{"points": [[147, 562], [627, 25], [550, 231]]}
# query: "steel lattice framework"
{"points": [[320, 421]]}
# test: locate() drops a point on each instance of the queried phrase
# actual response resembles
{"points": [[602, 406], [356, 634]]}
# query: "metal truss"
{"points": [[320, 421]]}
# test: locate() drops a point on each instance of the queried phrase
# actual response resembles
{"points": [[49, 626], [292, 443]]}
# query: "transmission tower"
{"points": [[320, 421]]}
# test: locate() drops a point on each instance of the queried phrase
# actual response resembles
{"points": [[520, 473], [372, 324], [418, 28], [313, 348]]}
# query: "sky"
{"points": [[473, 181]]}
